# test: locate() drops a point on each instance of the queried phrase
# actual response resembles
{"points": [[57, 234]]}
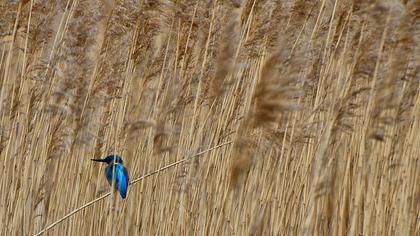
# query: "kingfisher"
{"points": [[121, 179]]}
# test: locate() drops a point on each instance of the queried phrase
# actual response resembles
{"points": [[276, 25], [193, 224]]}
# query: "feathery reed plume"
{"points": [[59, 145], [4, 137], [273, 98], [115, 51], [390, 87], [243, 158], [273, 94], [74, 67], [226, 53], [254, 41], [160, 138]]}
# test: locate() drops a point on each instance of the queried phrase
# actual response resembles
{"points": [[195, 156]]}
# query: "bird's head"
{"points": [[111, 159]]}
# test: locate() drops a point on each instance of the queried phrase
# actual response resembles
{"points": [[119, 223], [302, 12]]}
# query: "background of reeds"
{"points": [[320, 98]]}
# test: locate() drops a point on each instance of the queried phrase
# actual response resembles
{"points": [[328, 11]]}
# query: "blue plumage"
{"points": [[115, 164], [121, 178]]}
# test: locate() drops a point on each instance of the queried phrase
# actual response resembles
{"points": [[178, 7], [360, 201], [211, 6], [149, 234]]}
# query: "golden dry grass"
{"points": [[319, 102]]}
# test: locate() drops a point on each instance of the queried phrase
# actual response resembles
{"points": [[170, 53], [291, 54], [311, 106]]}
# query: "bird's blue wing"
{"points": [[122, 180]]}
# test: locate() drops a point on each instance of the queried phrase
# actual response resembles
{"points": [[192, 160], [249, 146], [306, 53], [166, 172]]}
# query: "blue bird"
{"points": [[121, 179]]}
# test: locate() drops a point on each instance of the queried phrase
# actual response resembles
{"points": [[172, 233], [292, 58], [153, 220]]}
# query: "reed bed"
{"points": [[282, 117]]}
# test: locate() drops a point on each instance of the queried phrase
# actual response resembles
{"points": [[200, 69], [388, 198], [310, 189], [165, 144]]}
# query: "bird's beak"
{"points": [[98, 160]]}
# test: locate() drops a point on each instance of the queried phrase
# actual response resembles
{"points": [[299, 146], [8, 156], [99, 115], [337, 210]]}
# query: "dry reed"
{"points": [[320, 100]]}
